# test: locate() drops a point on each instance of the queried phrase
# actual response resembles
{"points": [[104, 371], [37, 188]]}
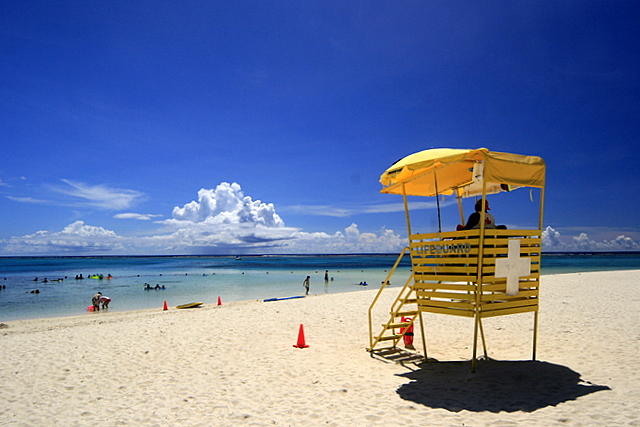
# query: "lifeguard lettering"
{"points": [[454, 248]]}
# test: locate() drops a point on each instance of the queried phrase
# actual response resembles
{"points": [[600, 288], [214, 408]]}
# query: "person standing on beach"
{"points": [[306, 284]]}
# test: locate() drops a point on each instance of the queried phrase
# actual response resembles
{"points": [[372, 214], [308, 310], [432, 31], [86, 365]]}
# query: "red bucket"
{"points": [[408, 336]]}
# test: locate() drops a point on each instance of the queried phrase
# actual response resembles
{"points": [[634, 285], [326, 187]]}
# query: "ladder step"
{"points": [[411, 301], [405, 313], [389, 337], [397, 325]]}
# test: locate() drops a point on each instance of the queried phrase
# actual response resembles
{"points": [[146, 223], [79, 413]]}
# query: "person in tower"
{"points": [[473, 223]]}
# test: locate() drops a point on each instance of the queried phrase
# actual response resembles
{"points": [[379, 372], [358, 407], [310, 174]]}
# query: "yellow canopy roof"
{"points": [[449, 170]]}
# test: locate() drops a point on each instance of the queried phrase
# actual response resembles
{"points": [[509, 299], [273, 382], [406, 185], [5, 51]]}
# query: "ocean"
{"points": [[205, 278]]}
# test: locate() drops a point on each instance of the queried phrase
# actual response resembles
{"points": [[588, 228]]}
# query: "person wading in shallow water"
{"points": [[306, 284], [95, 300]]}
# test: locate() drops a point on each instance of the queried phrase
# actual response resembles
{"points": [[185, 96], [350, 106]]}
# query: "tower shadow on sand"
{"points": [[496, 386]]}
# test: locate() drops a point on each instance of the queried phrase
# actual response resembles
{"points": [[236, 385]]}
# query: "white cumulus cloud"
{"points": [[222, 220], [76, 238], [553, 241], [351, 240], [203, 238], [227, 204]]}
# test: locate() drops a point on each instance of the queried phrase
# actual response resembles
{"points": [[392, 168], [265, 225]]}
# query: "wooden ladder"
{"points": [[405, 305]]}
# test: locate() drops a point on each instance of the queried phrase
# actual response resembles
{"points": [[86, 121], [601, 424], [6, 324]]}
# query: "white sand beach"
{"points": [[235, 364]]}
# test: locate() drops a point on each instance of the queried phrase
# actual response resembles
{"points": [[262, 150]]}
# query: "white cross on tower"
{"points": [[513, 267]]}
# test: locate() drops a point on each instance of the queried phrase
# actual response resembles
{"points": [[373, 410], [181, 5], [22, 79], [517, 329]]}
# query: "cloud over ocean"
{"points": [[224, 220], [221, 221]]}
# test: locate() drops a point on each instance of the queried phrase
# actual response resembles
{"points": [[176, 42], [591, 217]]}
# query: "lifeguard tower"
{"points": [[477, 273]]}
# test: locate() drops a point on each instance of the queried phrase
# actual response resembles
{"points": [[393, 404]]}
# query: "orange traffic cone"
{"points": [[219, 301], [165, 308], [301, 343]]}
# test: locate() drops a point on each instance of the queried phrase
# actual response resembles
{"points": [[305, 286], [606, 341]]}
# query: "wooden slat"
{"points": [[466, 234], [469, 270], [448, 295], [436, 277], [425, 248], [463, 305], [405, 313], [430, 268], [510, 304], [462, 259], [440, 310], [460, 247], [501, 287], [524, 241], [432, 236], [388, 337], [443, 262], [468, 241], [475, 240], [485, 299], [417, 254], [456, 288], [495, 313], [489, 270], [446, 269], [463, 287], [492, 251], [471, 241], [397, 325]]}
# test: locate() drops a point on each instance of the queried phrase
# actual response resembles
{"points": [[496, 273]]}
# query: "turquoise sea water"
{"points": [[205, 278]]}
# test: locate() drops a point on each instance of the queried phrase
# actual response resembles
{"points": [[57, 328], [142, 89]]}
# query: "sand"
{"points": [[235, 364]]}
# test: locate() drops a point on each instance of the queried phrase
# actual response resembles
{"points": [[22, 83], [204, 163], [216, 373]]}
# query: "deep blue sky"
{"points": [[115, 114]]}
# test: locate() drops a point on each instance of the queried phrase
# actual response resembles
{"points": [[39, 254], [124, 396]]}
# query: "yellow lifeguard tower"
{"points": [[477, 273]]}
